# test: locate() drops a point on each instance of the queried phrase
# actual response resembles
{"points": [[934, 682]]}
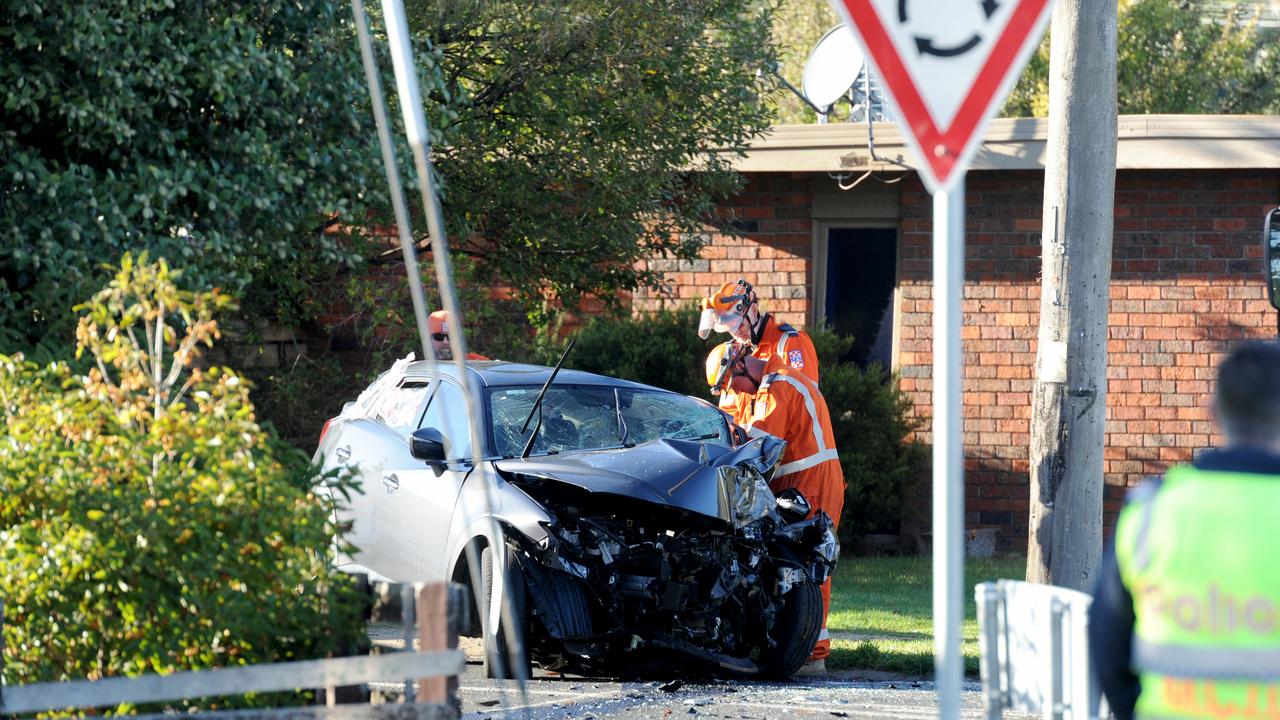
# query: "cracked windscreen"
{"points": [[588, 417]]}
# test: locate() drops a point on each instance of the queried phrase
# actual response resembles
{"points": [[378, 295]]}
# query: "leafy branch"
{"points": [[175, 322]]}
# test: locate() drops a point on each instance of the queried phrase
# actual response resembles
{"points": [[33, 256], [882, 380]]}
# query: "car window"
{"points": [[398, 408], [650, 416], [448, 414], [369, 401], [585, 417]]}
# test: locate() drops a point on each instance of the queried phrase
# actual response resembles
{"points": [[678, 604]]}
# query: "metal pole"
{"points": [[416, 129], [403, 226], [1053, 708], [990, 666], [948, 452]]}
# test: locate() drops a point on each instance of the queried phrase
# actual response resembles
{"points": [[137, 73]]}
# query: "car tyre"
{"points": [[796, 628], [499, 661]]}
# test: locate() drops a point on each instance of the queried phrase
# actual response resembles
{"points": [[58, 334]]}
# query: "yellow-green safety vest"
{"points": [[1200, 555]]}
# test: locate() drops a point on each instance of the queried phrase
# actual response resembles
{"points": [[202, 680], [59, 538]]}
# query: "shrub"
{"points": [[147, 523], [295, 400], [378, 308], [871, 417], [872, 420], [662, 349]]}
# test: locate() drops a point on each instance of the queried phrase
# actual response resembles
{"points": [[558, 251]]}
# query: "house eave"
{"points": [[1145, 142]]}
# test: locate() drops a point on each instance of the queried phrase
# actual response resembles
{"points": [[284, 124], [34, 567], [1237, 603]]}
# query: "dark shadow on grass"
{"points": [[871, 631], [867, 656]]}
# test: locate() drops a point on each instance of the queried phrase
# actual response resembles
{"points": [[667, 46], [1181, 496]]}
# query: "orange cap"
{"points": [[438, 322], [732, 297]]}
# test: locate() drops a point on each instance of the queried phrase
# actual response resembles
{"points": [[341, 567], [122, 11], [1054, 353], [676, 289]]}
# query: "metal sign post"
{"points": [[948, 449], [945, 66]]}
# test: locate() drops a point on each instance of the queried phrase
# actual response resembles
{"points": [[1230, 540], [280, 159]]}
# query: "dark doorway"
{"points": [[861, 270]]}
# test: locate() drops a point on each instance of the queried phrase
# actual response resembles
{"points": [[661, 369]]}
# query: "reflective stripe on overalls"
{"points": [[824, 453], [788, 332]]}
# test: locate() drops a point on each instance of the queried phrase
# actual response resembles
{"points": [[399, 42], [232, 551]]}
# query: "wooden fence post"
{"points": [[408, 616], [442, 614]]}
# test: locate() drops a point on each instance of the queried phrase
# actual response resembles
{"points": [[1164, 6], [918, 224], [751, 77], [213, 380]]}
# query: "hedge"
{"points": [[148, 524]]}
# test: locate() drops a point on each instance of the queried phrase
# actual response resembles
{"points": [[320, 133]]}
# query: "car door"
{"points": [[425, 499], [353, 444], [378, 447]]}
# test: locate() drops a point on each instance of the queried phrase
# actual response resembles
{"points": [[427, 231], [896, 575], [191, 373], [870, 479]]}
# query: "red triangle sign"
{"points": [[946, 65]]}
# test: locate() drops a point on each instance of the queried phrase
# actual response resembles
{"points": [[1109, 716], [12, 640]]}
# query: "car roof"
{"points": [[499, 373]]}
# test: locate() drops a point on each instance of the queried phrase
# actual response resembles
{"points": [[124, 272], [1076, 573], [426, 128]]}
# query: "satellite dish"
{"points": [[832, 67]]}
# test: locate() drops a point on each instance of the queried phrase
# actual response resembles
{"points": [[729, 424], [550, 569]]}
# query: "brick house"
{"points": [[1191, 192]]}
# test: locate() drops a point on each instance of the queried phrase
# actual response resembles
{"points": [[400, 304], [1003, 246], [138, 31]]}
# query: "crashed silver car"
{"points": [[639, 530]]}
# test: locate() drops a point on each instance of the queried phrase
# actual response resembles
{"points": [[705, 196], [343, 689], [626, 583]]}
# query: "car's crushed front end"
{"points": [[672, 549]]}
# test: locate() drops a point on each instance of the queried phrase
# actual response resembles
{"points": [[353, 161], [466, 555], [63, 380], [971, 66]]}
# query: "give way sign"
{"points": [[946, 64]]}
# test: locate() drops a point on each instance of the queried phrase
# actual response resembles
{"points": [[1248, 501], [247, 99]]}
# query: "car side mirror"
{"points": [[427, 444], [1271, 251], [792, 505]]}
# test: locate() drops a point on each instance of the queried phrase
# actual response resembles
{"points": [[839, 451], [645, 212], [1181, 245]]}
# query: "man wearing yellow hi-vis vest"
{"points": [[1185, 621]]}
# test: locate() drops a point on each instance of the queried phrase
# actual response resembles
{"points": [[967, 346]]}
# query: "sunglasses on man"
{"points": [[440, 337]]}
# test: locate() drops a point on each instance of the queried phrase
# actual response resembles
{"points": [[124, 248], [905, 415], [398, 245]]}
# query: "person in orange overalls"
{"points": [[782, 401], [438, 326], [735, 309]]}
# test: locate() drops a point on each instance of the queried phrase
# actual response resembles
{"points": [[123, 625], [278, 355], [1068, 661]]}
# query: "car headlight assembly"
{"points": [[745, 493], [829, 548]]}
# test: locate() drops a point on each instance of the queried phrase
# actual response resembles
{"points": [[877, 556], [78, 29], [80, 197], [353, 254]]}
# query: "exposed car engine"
{"points": [[620, 577]]}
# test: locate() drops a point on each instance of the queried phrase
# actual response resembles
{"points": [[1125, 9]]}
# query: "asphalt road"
{"points": [[563, 698], [548, 696]]}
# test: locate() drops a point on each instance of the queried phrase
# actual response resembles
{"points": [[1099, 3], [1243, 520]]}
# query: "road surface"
{"points": [[849, 694]]}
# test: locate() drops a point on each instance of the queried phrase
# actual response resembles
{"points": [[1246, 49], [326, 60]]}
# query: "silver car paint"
{"points": [[391, 526]]}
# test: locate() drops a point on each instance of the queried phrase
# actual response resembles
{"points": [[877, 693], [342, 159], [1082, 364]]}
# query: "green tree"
{"points": [[1030, 95], [799, 26], [572, 139], [1182, 57], [1177, 56], [587, 134], [147, 523], [224, 135]]}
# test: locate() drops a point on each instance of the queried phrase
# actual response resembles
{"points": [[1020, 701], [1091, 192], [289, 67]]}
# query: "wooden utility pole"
{"points": [[1069, 399]]}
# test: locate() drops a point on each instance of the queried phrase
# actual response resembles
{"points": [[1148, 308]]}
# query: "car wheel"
{"points": [[795, 628], [499, 661]]}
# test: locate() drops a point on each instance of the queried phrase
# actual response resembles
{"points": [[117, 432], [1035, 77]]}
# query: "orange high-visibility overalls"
{"points": [[792, 347], [789, 406]]}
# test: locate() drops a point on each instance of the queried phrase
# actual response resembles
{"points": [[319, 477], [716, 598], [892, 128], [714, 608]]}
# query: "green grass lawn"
{"points": [[882, 612]]}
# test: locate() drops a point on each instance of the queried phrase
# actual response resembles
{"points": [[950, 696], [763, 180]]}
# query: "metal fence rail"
{"points": [[440, 660]]}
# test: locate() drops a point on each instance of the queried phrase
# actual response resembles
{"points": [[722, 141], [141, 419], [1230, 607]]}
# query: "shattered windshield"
{"points": [[588, 417]]}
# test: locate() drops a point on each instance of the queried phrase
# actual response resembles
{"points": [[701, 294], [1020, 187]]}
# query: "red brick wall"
{"points": [[1186, 282], [1001, 309], [773, 212]]}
